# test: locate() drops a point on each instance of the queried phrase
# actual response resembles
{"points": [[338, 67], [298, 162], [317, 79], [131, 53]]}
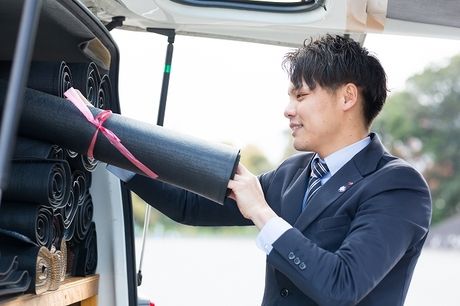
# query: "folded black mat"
{"points": [[193, 164], [29, 219], [7, 266], [41, 181], [36, 260], [17, 282], [27, 148]]}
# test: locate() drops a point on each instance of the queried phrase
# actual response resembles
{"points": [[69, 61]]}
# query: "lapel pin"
{"points": [[342, 189]]}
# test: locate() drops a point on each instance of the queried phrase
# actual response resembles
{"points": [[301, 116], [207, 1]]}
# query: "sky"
{"points": [[235, 92]]}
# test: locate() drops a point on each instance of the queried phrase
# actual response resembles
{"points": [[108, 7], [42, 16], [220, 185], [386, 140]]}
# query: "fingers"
{"points": [[231, 184], [242, 169]]}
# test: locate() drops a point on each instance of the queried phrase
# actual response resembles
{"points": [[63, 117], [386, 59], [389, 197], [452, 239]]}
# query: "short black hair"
{"points": [[332, 61]]}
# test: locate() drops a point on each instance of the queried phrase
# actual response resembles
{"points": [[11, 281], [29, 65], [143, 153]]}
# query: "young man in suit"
{"points": [[343, 225]]}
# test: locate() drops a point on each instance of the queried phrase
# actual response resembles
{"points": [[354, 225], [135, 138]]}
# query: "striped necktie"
{"points": [[318, 170]]}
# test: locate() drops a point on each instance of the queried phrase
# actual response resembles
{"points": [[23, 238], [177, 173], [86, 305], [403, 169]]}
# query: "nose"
{"points": [[289, 110]]}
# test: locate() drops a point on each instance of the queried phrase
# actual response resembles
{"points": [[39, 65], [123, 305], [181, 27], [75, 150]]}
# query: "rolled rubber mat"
{"points": [[28, 219], [187, 162], [41, 181]]}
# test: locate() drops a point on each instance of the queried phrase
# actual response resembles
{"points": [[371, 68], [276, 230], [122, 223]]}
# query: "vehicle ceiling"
{"points": [[353, 17]]}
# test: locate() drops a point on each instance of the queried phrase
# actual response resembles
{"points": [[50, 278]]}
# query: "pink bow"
{"points": [[74, 96]]}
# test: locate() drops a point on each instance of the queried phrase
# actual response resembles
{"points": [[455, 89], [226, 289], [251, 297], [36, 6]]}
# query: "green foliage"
{"points": [[422, 125]]}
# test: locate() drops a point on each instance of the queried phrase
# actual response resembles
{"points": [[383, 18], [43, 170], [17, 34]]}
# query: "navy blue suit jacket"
{"points": [[356, 243]]}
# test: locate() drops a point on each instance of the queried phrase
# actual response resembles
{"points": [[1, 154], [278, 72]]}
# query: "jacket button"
{"points": [[302, 266], [291, 255], [297, 260], [284, 292]]}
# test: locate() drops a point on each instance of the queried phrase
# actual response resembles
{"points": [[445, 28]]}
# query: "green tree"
{"points": [[422, 125]]}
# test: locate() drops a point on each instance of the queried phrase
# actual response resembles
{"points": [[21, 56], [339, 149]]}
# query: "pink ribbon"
{"points": [[74, 96]]}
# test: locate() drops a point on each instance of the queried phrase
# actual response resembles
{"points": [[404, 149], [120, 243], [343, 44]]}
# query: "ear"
{"points": [[349, 94]]}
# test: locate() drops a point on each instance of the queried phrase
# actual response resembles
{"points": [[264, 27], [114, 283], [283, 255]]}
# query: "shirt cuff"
{"points": [[122, 174], [271, 231]]}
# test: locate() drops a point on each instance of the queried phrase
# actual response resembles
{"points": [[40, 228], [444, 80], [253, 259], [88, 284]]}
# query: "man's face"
{"points": [[314, 118]]}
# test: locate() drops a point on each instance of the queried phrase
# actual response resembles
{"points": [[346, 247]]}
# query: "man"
{"points": [[343, 225]]}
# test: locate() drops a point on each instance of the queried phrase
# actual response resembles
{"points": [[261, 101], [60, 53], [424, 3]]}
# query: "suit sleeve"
{"points": [[186, 207], [391, 220]]}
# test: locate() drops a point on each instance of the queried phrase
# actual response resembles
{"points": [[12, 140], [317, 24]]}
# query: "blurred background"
{"points": [[235, 93]]}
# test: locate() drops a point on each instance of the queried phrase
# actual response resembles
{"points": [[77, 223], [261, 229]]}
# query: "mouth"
{"points": [[295, 126]]}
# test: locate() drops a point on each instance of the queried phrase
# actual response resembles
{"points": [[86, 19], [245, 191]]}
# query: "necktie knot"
{"points": [[318, 168]]}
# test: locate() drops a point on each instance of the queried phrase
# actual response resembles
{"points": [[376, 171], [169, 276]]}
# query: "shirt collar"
{"points": [[336, 160]]}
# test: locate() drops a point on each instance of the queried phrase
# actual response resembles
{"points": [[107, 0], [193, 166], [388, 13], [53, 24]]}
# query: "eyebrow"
{"points": [[295, 91]]}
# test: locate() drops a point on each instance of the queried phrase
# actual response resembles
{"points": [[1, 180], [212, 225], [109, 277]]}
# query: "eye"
{"points": [[300, 96]]}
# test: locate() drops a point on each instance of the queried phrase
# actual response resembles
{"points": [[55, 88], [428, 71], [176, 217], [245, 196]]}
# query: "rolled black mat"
{"points": [[83, 255], [89, 164], [187, 162], [70, 154], [31, 148], [50, 77], [86, 78], [105, 93], [68, 213], [31, 220], [82, 162], [83, 218], [79, 187], [41, 181]]}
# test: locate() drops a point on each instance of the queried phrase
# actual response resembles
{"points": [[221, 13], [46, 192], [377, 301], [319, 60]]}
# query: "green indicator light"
{"points": [[167, 68]]}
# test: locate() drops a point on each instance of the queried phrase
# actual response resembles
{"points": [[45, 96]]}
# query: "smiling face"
{"points": [[315, 118]]}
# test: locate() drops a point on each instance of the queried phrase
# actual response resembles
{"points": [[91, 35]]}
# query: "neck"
{"points": [[342, 140]]}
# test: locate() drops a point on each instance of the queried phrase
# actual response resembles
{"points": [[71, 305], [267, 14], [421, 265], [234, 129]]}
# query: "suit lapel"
{"points": [[363, 163], [293, 196], [335, 187]]}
